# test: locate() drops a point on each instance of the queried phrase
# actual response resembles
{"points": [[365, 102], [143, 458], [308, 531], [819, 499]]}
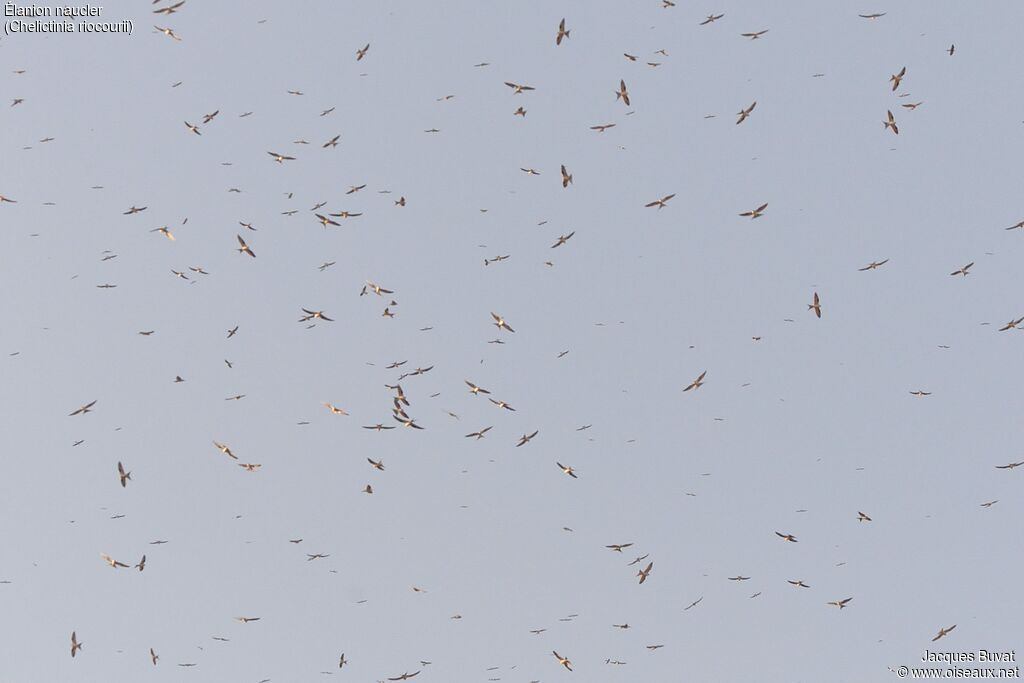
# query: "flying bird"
{"points": [[525, 438], [711, 18], [87, 408], [891, 123], [963, 270], [564, 661], [755, 213], [125, 476], [697, 383], [500, 323], [645, 572], [897, 78], [755, 35], [566, 177], [567, 470], [516, 88], [841, 603], [281, 158], [660, 203], [563, 32], [244, 248], [815, 306], [622, 93], [362, 53], [112, 562], [943, 632], [744, 113], [75, 645], [873, 265], [786, 537], [562, 239]]}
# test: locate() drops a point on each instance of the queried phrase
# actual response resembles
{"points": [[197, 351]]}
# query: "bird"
{"points": [[335, 410], [368, 489], [526, 438], [1010, 466], [871, 16], [617, 547], [281, 158], [873, 265], [362, 53], [314, 315], [125, 476], [342, 661], [325, 221], [170, 9], [645, 572], [244, 248], [816, 306], [333, 142], [951, 50], [567, 470], [566, 177], [744, 113], [562, 239], [194, 129], [87, 408], [943, 632], [153, 656], [500, 323], [564, 661], [963, 270], [918, 392], [316, 556], [891, 123], [8, 200], [377, 464], [135, 209], [697, 383], [603, 128], [250, 466], [517, 88], [711, 18], [404, 677], [897, 78], [622, 93], [755, 213], [841, 603], [225, 449], [378, 426], [660, 203], [799, 583], [480, 433], [861, 517], [75, 645], [474, 389], [563, 32], [246, 620], [167, 32], [912, 106], [1015, 226], [142, 564], [112, 562], [1012, 324], [755, 34], [694, 603], [210, 117], [786, 537]]}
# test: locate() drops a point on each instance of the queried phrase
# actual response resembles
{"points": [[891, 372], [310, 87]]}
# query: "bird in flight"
{"points": [[603, 128], [694, 603], [871, 16], [377, 464], [112, 562], [87, 408], [193, 128], [246, 620], [943, 632], [500, 323], [897, 78], [645, 572], [891, 123], [963, 270], [516, 88], [141, 566], [786, 537], [1010, 466], [697, 383], [567, 470], [225, 449], [564, 661], [474, 389], [562, 239], [861, 517], [566, 177], [244, 248], [711, 18], [479, 434], [841, 603], [75, 645], [918, 392], [169, 32], [563, 32], [335, 410], [622, 93], [170, 9], [1012, 324], [744, 113], [153, 656], [314, 315], [342, 661], [125, 476], [755, 34], [951, 50], [525, 438], [617, 547], [362, 53], [798, 583], [281, 158], [873, 265], [404, 677], [816, 306], [756, 213], [660, 203]]}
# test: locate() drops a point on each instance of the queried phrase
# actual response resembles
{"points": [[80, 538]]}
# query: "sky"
{"points": [[467, 545]]}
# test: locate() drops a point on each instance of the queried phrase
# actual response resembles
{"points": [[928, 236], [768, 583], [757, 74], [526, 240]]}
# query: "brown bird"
{"points": [[756, 213], [603, 128], [517, 89], [711, 18], [87, 408], [1012, 324], [125, 476], [816, 306], [963, 270], [697, 383], [786, 537], [479, 434], [943, 632], [871, 16], [564, 661], [362, 53], [474, 389], [500, 323], [566, 177], [1010, 466], [142, 564], [154, 656], [896, 78], [562, 32], [526, 438], [873, 265], [891, 123], [377, 464], [562, 239], [225, 449], [617, 547], [841, 603], [244, 248], [280, 158], [951, 50], [622, 93], [567, 470], [246, 620], [335, 410], [644, 573], [194, 129], [744, 113], [861, 517], [170, 9], [75, 645], [502, 404], [660, 203], [800, 583], [755, 35], [112, 562]]}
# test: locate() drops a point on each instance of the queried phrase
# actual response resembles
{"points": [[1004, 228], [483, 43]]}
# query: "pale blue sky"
{"points": [[795, 432]]}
